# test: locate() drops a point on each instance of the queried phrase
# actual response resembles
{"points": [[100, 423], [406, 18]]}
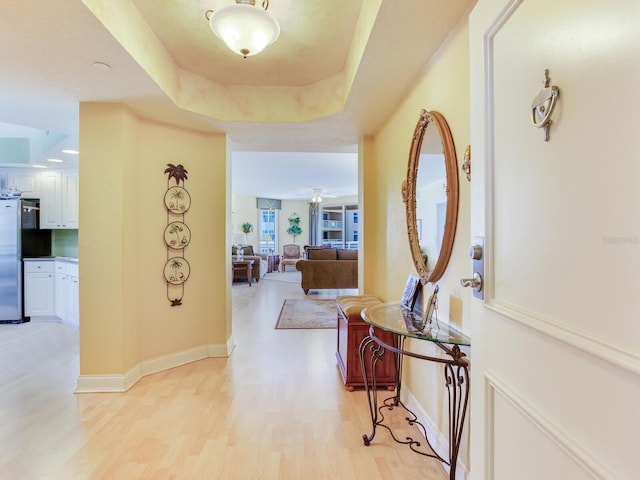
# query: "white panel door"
{"points": [[50, 188], [556, 341], [70, 199], [38, 294]]}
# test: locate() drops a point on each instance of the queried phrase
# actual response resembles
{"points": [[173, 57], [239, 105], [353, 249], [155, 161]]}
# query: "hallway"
{"points": [[275, 409]]}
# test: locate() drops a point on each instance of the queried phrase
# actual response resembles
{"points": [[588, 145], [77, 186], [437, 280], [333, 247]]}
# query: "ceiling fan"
{"points": [[318, 195]]}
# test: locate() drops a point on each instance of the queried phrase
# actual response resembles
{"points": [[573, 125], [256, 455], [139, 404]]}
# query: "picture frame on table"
{"points": [[432, 307], [411, 290]]}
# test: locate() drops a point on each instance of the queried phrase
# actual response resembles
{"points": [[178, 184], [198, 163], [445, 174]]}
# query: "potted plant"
{"points": [[294, 226], [247, 227]]}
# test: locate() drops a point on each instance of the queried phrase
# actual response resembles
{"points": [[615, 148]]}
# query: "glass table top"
{"points": [[396, 319]]}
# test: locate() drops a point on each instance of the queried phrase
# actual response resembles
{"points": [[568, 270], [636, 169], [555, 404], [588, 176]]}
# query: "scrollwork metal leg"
{"points": [[368, 344], [370, 354], [457, 380]]}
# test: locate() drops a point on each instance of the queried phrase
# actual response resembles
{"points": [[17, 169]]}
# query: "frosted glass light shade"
{"points": [[246, 29]]}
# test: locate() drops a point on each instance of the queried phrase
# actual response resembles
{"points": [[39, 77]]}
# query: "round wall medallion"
{"points": [[177, 200], [176, 270], [177, 235]]}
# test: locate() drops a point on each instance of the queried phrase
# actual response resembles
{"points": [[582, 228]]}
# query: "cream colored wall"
{"points": [[301, 208], [367, 260], [126, 317], [107, 140], [245, 210], [444, 87]]}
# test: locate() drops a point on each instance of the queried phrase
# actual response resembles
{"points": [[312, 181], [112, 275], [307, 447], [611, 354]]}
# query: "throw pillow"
{"points": [[247, 250]]}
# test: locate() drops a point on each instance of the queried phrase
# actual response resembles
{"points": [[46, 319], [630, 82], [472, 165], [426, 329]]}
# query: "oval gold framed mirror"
{"points": [[430, 194]]}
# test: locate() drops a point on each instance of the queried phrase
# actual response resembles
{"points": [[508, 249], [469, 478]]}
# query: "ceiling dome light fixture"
{"points": [[245, 28]]}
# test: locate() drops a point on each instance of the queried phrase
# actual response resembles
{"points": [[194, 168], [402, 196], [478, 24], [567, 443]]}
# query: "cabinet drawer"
{"points": [[36, 267], [66, 268]]}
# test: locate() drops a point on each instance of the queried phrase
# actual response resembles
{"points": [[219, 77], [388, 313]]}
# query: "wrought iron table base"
{"points": [[457, 382]]}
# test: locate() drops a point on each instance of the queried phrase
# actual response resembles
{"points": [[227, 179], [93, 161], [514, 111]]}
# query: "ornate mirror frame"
{"points": [[437, 120]]}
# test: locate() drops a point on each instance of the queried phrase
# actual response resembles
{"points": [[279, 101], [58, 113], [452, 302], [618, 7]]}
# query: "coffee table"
{"points": [[242, 266]]}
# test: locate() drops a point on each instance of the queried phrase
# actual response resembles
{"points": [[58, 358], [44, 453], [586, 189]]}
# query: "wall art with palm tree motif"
{"points": [[176, 234]]}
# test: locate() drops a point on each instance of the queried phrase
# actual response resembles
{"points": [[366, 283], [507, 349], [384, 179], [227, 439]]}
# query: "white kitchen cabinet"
{"points": [[59, 199], [25, 181], [72, 306], [39, 299], [60, 284], [67, 293]]}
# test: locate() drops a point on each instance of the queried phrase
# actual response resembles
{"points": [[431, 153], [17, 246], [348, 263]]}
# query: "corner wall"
{"points": [[128, 327]]}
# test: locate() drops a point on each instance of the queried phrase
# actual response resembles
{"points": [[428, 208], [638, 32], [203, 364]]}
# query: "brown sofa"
{"points": [[329, 268]]}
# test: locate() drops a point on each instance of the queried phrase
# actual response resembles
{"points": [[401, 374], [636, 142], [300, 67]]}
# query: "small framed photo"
{"points": [[432, 307], [411, 291]]}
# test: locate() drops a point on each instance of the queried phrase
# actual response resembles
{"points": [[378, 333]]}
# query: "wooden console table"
{"points": [[351, 331], [391, 317]]}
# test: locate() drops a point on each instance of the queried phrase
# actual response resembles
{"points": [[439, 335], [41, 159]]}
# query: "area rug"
{"points": [[287, 277], [308, 313]]}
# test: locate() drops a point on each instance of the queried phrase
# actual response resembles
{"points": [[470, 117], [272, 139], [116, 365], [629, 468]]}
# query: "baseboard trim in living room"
{"points": [[121, 383]]}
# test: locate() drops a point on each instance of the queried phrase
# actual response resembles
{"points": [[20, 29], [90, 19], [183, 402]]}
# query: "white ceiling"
{"points": [[48, 49]]}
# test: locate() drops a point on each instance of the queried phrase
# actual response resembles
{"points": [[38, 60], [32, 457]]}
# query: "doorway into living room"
{"points": [[290, 198]]}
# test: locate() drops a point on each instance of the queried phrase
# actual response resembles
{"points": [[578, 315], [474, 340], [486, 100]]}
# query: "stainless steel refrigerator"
{"points": [[19, 237], [10, 260]]}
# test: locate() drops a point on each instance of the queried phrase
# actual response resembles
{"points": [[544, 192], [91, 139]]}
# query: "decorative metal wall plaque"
{"points": [[177, 235], [543, 104], [466, 166]]}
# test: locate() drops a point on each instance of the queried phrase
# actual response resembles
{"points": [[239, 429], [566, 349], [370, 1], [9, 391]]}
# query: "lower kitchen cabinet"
{"points": [[67, 293], [39, 289]]}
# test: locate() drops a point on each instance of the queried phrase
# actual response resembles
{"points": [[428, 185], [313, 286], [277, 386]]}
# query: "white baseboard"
{"points": [[101, 383], [122, 383], [436, 438]]}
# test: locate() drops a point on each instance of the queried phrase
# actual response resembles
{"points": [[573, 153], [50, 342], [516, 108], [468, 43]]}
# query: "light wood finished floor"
{"points": [[276, 409]]}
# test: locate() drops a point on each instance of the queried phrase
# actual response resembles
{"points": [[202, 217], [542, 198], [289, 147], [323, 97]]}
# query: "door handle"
{"points": [[476, 252], [475, 282]]}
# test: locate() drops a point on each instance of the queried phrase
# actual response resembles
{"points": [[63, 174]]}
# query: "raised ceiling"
{"points": [[306, 52], [337, 71]]}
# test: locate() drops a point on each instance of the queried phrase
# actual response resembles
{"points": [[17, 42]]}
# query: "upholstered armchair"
{"points": [[290, 255]]}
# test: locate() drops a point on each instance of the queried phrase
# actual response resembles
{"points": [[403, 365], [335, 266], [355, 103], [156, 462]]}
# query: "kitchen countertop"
{"points": [[51, 259]]}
